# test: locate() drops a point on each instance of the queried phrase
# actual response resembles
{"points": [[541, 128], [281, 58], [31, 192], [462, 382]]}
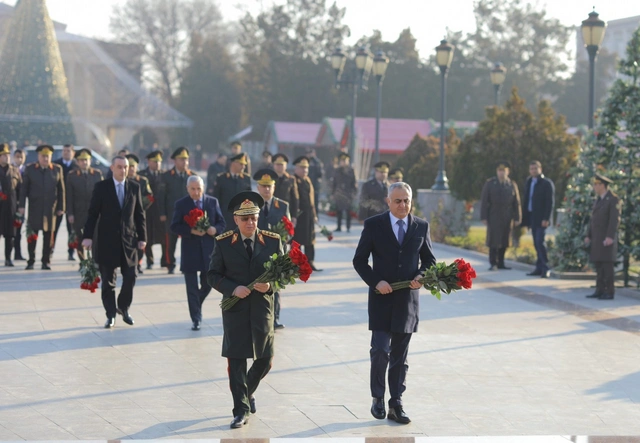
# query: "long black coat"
{"points": [[10, 182], [174, 187], [44, 187], [156, 230], [344, 188], [225, 188], [542, 203], [248, 326], [287, 190], [500, 207], [79, 191], [392, 262], [120, 229], [373, 199], [305, 227]]}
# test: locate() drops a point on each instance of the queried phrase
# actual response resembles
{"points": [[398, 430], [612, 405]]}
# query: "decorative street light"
{"points": [[380, 63], [498, 75], [444, 56], [592, 33], [359, 79]]}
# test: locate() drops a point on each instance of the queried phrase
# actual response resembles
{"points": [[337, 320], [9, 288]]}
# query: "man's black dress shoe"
{"points": [[71, 257], [125, 316], [46, 267], [252, 404], [19, 258], [377, 408], [605, 297], [492, 268], [397, 414], [594, 295], [313, 267], [111, 322], [239, 421], [149, 266], [29, 268], [337, 230], [535, 273], [277, 325], [140, 269], [546, 274], [195, 326], [8, 263], [503, 267], [172, 271]]}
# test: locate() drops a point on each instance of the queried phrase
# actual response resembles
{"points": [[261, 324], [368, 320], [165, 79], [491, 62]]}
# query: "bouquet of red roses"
{"points": [[284, 228], [281, 270], [3, 196], [443, 277], [31, 235], [18, 219], [90, 277], [196, 219], [73, 240], [324, 231]]}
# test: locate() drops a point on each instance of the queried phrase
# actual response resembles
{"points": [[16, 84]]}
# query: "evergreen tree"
{"points": [[34, 99]]}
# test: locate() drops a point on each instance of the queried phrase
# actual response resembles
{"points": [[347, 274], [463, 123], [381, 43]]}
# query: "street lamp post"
{"points": [[498, 76], [444, 56], [380, 63], [363, 62], [592, 33]]}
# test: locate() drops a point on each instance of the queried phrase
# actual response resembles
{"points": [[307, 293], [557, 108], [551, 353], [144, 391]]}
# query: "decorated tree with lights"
{"points": [[612, 149], [34, 99]]}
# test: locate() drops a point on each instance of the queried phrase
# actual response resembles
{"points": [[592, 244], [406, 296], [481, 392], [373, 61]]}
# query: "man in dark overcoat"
{"points": [[500, 211], [286, 185], [196, 245], [10, 182], [270, 215], [175, 187], [18, 163], [305, 233], [79, 189], [156, 229], [229, 184], [68, 164], [43, 185], [117, 203], [238, 259], [145, 189], [344, 190], [216, 168], [537, 209], [373, 195], [400, 246], [602, 237]]}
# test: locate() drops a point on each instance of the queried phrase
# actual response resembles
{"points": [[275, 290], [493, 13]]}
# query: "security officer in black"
{"points": [[156, 229], [145, 191], [228, 184], [286, 185], [373, 194], [175, 187]]}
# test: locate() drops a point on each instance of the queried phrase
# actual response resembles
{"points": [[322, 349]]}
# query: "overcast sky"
{"points": [[427, 20]]}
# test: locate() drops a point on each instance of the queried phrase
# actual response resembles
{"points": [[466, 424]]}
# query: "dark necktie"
{"points": [[400, 224], [198, 204], [248, 242], [266, 209]]}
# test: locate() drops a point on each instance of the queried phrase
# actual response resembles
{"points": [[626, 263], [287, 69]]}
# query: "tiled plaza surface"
{"points": [[515, 356]]}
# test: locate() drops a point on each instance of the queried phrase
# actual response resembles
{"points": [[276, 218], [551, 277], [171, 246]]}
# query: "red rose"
{"points": [[295, 244], [330, 237], [151, 198], [304, 270], [297, 256], [288, 226], [3, 196]]}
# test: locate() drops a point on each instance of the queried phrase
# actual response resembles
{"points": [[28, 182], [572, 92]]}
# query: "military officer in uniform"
{"points": [[270, 215], [396, 175], [228, 184], [175, 187], [373, 196], [43, 185], [238, 259], [145, 190], [236, 150], [344, 190], [305, 228], [156, 229], [10, 182], [79, 188], [68, 164], [286, 185], [602, 236], [500, 211]]}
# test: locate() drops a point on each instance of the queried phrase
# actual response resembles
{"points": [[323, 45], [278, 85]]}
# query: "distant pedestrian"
{"points": [[10, 182], [215, 169], [373, 196], [316, 174], [344, 190], [68, 164]]}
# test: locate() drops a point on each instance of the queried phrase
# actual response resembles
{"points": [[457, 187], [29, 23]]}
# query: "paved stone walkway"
{"points": [[514, 356]]}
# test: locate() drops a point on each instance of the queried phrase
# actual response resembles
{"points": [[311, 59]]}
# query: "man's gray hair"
{"points": [[119, 157], [195, 178], [400, 185]]}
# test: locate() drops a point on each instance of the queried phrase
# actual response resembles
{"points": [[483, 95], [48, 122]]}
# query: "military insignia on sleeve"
{"points": [[270, 234], [224, 235]]}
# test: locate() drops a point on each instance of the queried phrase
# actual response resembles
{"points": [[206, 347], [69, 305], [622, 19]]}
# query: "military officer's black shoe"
{"points": [[546, 274], [398, 415], [46, 267], [594, 295], [172, 271], [29, 267], [252, 404], [377, 408], [239, 421], [110, 323], [195, 326], [8, 263], [605, 297]]}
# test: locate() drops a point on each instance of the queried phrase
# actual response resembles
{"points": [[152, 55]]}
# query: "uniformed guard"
{"points": [[10, 182], [286, 185], [79, 188], [270, 215], [238, 259], [43, 185], [156, 229], [228, 184], [500, 211], [145, 191], [602, 237], [174, 183], [344, 190], [305, 228], [373, 195], [68, 164], [396, 175]]}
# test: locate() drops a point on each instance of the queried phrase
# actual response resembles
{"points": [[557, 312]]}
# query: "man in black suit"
{"points": [[401, 248], [117, 202], [537, 208], [68, 163]]}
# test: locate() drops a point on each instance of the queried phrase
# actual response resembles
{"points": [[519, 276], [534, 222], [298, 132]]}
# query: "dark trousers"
{"points": [[170, 251], [17, 244], [243, 384], [496, 256], [276, 306], [148, 251], [8, 247], [348, 219], [310, 252], [389, 349], [542, 264], [46, 248], [109, 279], [55, 234], [196, 293], [604, 277]]}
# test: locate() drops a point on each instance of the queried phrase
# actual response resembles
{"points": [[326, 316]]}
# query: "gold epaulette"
{"points": [[270, 234], [224, 235]]}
